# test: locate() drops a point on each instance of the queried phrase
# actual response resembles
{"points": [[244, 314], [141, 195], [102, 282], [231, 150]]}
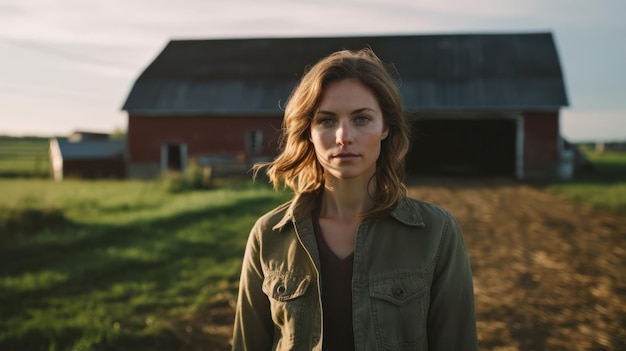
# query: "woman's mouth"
{"points": [[345, 156]]}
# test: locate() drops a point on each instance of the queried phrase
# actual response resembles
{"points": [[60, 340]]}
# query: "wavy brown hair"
{"points": [[297, 167]]}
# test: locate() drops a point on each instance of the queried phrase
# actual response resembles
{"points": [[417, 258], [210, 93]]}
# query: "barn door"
{"points": [[173, 157]]}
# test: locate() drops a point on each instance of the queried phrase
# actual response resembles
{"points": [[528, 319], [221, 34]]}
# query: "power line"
{"points": [[72, 56]]}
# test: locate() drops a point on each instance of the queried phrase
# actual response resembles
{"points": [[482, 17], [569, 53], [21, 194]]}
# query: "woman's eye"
{"points": [[361, 119], [325, 121]]}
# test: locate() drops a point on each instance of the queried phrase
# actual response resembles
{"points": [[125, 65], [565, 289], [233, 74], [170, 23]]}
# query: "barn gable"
{"points": [[492, 80]]}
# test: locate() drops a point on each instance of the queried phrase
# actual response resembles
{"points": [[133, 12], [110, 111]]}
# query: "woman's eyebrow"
{"points": [[323, 112], [357, 111], [364, 109]]}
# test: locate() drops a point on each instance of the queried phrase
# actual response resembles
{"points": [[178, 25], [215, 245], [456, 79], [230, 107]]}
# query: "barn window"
{"points": [[254, 140]]}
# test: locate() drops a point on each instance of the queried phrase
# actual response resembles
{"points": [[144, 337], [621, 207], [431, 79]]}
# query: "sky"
{"points": [[69, 65]]}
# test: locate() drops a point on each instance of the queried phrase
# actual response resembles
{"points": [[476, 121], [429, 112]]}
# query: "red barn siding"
{"points": [[213, 135], [201, 134], [541, 138]]}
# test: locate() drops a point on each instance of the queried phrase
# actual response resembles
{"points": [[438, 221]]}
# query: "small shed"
{"points": [[88, 156], [479, 104]]}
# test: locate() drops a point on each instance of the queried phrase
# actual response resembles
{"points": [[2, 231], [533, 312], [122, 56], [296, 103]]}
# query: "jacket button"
{"points": [[398, 292], [281, 289]]}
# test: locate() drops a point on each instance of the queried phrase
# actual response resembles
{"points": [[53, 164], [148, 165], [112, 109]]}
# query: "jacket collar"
{"points": [[299, 208], [301, 205], [408, 213]]}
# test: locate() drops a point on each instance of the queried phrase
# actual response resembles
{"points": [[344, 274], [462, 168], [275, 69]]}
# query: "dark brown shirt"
{"points": [[336, 280]]}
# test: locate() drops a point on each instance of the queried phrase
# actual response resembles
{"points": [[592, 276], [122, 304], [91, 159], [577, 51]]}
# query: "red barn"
{"points": [[479, 104]]}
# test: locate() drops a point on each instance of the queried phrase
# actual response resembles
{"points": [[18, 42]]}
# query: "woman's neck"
{"points": [[345, 199]]}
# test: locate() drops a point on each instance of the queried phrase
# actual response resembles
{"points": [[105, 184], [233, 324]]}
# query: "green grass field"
{"points": [[113, 265], [604, 188], [24, 157]]}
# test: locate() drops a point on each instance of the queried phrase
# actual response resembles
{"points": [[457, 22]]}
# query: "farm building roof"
{"points": [[91, 149], [437, 72]]}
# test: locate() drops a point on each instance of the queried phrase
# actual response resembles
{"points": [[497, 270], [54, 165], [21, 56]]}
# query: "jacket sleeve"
{"points": [[451, 317], [254, 328]]}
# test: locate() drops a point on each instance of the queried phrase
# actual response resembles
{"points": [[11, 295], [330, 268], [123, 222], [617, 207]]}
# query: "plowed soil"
{"points": [[548, 274]]}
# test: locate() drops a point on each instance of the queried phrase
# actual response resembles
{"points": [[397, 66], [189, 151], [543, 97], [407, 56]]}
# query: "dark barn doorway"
{"points": [[462, 147], [173, 157]]}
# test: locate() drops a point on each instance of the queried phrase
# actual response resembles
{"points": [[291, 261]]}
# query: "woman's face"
{"points": [[347, 130]]}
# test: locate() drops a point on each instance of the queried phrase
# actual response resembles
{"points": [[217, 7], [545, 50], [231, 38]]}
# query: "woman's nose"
{"points": [[344, 134]]}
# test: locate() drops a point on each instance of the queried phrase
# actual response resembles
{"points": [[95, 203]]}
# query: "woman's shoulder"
{"points": [[411, 210], [297, 208], [428, 207], [273, 217]]}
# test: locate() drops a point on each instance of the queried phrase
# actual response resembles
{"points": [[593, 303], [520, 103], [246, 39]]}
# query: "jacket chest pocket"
{"points": [[287, 298], [399, 305]]}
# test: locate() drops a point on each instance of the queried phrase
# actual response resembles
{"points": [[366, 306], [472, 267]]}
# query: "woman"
{"points": [[351, 263]]}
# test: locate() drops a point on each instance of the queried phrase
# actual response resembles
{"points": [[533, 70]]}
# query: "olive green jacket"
{"points": [[411, 285]]}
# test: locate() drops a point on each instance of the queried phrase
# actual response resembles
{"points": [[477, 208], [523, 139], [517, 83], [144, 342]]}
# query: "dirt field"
{"points": [[548, 274]]}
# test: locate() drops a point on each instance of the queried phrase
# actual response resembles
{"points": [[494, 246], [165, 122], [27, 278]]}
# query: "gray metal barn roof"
{"points": [[91, 149], [437, 72]]}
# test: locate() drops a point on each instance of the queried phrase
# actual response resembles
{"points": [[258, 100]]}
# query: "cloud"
{"points": [[125, 23], [82, 52]]}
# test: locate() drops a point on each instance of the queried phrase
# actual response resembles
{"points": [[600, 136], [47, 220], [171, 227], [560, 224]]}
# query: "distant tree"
{"points": [[118, 134]]}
